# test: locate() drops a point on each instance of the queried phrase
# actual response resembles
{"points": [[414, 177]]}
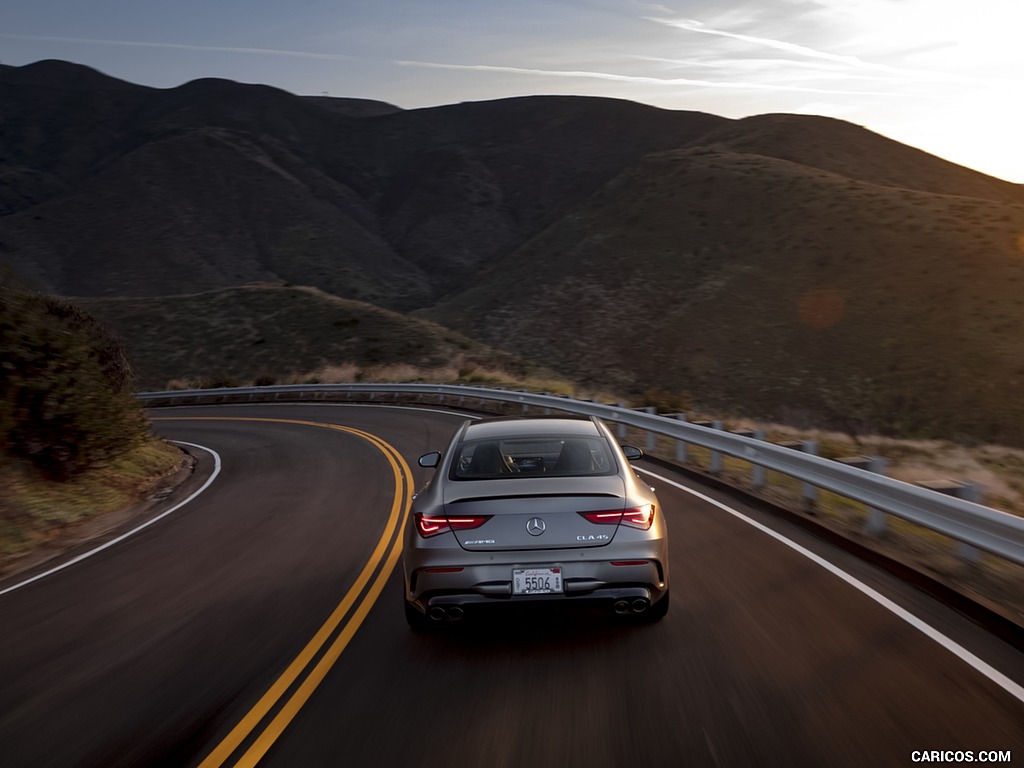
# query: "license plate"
{"points": [[536, 581]]}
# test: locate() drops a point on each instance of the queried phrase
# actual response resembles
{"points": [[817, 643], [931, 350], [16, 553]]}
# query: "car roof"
{"points": [[501, 428]]}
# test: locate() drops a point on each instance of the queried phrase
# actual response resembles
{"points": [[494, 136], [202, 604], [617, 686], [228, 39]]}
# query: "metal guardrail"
{"points": [[974, 524]]}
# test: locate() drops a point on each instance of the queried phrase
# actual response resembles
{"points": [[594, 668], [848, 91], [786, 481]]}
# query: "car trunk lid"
{"points": [[523, 515]]}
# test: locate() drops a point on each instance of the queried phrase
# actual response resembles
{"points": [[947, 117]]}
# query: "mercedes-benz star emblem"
{"points": [[535, 527]]}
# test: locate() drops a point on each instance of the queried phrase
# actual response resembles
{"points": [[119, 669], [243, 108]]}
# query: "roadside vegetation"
{"points": [[73, 440]]}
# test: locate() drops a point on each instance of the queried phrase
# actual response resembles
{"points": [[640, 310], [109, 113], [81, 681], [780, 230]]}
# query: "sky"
{"points": [[944, 76]]}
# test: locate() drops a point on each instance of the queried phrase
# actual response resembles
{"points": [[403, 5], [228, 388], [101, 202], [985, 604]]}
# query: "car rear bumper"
{"points": [[494, 580], [621, 589], [622, 600]]}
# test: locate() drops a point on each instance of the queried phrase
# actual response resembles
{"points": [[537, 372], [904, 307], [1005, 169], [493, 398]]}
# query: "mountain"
{"points": [[216, 183], [780, 266]]}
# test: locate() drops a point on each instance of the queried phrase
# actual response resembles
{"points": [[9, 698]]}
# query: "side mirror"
{"points": [[632, 453], [430, 460]]}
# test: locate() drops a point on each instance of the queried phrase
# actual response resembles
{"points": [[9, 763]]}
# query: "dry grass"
{"points": [[35, 512], [997, 471], [459, 372]]}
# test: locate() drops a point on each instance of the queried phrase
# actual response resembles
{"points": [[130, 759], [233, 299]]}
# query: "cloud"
{"points": [[696, 26], [635, 79], [183, 46], [814, 57]]}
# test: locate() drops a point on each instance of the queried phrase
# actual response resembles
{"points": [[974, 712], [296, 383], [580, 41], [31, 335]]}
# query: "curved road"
{"points": [[260, 623]]}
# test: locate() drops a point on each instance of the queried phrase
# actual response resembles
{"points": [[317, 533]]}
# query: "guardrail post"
{"points": [[652, 438], [622, 431], [715, 464], [877, 522], [808, 492], [967, 492], [757, 472], [757, 477], [715, 458], [681, 447]]}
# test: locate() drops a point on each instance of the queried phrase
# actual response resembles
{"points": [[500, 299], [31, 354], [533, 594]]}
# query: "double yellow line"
{"points": [[297, 683]]}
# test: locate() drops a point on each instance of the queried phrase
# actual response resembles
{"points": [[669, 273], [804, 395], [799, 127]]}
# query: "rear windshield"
{"points": [[533, 456]]}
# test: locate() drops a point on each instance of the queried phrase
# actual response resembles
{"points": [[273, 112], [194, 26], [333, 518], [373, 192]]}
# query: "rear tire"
{"points": [[414, 618]]}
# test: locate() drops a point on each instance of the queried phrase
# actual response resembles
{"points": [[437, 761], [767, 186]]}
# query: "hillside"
{"points": [[273, 332], [782, 266], [110, 189], [763, 286]]}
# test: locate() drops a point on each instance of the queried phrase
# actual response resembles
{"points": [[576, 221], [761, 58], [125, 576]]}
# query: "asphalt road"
{"points": [[261, 622]]}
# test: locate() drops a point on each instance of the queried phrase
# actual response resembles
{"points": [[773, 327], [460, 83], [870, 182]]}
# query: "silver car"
{"points": [[530, 510]]}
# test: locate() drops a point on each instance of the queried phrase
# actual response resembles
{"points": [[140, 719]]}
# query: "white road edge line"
{"points": [[123, 536], [993, 674]]}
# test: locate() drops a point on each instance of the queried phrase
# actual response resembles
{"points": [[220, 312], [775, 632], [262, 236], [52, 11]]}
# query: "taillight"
{"points": [[639, 517], [636, 517], [427, 525]]}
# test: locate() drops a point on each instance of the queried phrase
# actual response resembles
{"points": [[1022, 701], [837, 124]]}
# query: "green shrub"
{"points": [[65, 386]]}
